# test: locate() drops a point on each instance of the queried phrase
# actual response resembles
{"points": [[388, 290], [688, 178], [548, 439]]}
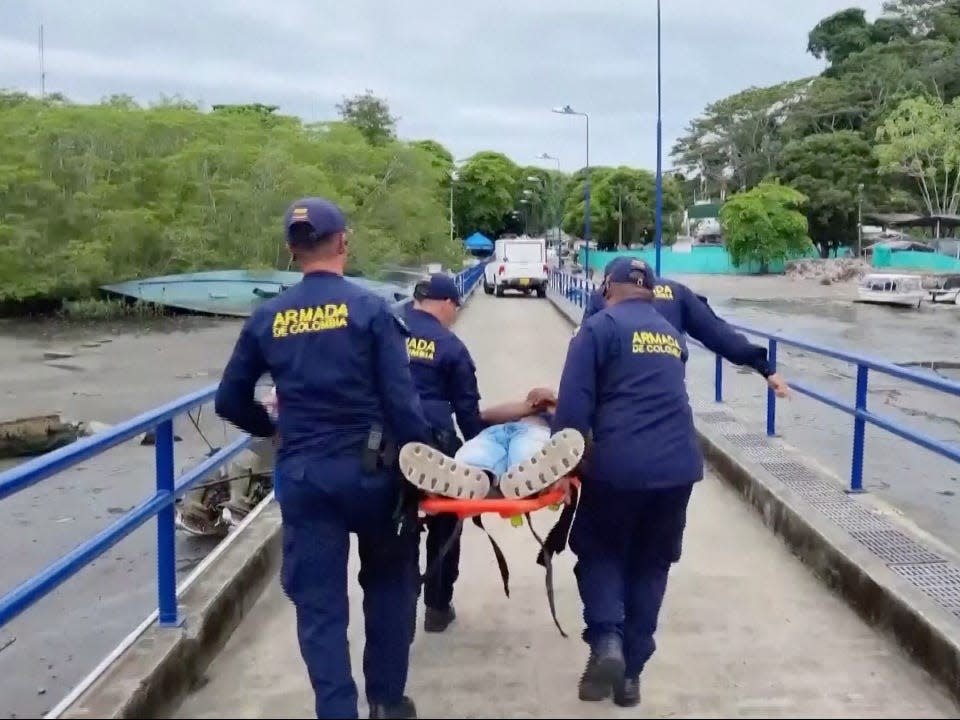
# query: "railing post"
{"points": [[718, 380], [859, 432], [166, 538], [772, 396]]}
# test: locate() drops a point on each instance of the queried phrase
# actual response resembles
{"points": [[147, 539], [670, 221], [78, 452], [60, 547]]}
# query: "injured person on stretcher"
{"points": [[514, 457]]}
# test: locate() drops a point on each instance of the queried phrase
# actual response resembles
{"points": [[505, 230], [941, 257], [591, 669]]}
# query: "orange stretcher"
{"points": [[505, 508]]}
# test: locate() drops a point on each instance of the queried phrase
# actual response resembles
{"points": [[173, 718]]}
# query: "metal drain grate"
{"points": [[717, 416], [816, 491], [756, 447], [893, 546], [748, 440], [791, 472], [941, 581], [850, 516]]}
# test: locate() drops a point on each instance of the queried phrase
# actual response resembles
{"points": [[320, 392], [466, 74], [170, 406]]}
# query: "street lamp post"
{"points": [[546, 156], [567, 110], [453, 178], [659, 213]]}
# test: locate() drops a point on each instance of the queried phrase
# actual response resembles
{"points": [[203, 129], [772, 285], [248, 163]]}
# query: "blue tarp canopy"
{"points": [[478, 241]]}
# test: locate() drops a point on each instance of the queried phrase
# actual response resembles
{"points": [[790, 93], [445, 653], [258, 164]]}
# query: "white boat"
{"points": [[891, 289], [943, 288]]}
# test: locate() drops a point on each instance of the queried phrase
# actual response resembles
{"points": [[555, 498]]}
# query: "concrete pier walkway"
{"points": [[746, 629]]}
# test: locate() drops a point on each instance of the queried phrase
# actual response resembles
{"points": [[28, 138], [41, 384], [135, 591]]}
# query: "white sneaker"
{"points": [[558, 457], [433, 472]]}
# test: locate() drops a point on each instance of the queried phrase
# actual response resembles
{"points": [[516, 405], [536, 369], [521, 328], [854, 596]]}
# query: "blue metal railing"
{"points": [[159, 505], [578, 290]]}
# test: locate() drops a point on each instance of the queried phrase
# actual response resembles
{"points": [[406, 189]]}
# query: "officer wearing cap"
{"points": [[338, 360], [689, 313], [446, 378], [624, 380]]}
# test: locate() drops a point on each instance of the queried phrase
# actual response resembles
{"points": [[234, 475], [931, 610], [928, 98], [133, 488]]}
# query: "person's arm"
{"points": [[595, 304], [235, 400], [577, 399], [401, 402], [466, 396], [704, 325], [506, 412]]}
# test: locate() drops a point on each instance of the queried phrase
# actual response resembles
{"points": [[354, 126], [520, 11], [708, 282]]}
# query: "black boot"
{"points": [[627, 692], [435, 621], [604, 670], [401, 710]]}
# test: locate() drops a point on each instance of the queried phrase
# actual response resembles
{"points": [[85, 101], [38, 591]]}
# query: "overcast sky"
{"points": [[473, 74]]}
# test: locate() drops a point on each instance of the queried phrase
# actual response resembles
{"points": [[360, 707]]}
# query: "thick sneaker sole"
{"points": [[434, 472], [557, 459]]}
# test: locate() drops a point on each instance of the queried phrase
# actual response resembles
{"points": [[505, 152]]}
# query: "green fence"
{"points": [[699, 261], [911, 259]]}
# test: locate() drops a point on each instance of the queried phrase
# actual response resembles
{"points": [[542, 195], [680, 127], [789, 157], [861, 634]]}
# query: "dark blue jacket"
{"points": [[624, 380], [339, 362], [689, 313], [444, 373]]}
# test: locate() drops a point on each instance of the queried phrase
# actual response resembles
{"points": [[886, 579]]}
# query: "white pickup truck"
{"points": [[517, 264]]}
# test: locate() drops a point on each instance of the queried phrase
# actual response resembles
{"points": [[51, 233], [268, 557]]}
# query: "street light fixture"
{"points": [[567, 110]]}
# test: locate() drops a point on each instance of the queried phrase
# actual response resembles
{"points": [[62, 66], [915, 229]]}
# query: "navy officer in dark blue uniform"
{"points": [[689, 313], [338, 360], [624, 380], [446, 378]]}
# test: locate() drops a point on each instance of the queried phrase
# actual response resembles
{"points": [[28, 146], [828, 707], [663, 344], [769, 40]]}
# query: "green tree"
{"points": [[626, 208], [485, 194], [829, 169], [574, 204], [840, 35], [91, 194], [765, 225], [371, 116], [921, 140], [737, 139]]}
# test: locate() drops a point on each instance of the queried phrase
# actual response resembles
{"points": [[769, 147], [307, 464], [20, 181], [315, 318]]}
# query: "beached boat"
{"points": [[891, 289], [944, 288], [233, 293]]}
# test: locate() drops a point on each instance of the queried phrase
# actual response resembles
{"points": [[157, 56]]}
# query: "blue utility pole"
{"points": [[659, 235]]}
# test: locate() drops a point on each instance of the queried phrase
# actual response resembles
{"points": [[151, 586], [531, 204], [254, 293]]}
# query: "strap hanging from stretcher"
{"points": [[548, 564], [556, 541], [454, 536]]}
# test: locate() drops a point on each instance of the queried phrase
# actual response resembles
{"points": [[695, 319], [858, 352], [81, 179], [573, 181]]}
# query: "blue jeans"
{"points": [[501, 447]]}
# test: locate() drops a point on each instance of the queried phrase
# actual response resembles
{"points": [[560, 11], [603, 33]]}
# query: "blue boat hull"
{"points": [[234, 293]]}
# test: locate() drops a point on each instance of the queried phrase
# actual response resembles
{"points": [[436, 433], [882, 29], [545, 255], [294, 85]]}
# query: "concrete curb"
{"points": [[163, 664], [929, 633], [927, 630]]}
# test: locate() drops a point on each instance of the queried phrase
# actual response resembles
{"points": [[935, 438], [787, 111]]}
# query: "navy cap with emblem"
{"points": [[439, 287], [322, 215], [630, 270]]}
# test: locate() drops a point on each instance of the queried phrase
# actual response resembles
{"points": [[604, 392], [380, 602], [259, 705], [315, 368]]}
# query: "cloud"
{"points": [[472, 75]]}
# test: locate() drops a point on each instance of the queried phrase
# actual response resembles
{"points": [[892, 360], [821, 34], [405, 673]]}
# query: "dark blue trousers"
{"points": [[322, 501], [625, 542], [438, 588]]}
